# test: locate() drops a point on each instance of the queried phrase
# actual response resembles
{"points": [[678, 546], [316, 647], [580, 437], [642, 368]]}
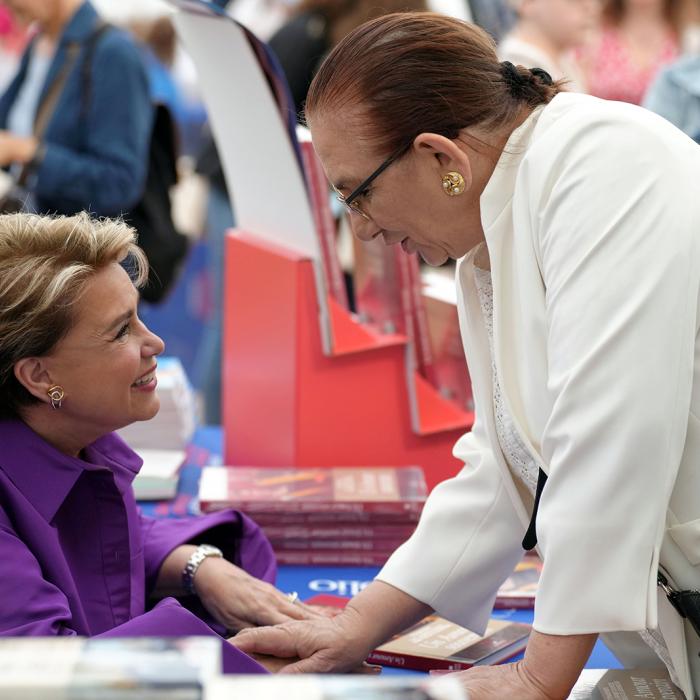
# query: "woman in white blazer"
{"points": [[576, 224]]}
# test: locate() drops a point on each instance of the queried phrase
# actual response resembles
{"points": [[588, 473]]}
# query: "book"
{"points": [[328, 687], [319, 193], [331, 558], [625, 684], [79, 668], [158, 477], [520, 588], [256, 490], [437, 643], [344, 519], [451, 375], [339, 531], [174, 424], [311, 544]]}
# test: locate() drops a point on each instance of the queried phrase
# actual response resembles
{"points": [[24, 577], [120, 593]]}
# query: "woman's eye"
{"points": [[366, 193], [122, 331]]}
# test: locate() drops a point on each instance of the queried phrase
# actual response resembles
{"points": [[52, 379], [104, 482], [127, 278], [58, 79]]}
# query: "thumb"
{"points": [[273, 641]]}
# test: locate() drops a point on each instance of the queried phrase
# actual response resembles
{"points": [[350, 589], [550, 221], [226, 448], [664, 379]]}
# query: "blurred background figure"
{"points": [[76, 123], [636, 38], [545, 36], [13, 39], [315, 27], [675, 93]]}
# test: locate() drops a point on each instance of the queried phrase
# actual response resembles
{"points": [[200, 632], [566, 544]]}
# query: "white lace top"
{"points": [[518, 457]]}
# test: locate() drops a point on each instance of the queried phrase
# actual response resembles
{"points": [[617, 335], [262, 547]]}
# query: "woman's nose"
{"points": [[364, 229]]}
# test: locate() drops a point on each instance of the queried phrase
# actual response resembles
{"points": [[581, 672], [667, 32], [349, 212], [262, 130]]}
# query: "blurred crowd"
{"points": [[640, 51]]}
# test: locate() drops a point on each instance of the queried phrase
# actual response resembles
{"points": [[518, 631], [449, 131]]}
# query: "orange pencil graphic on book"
{"points": [[288, 478]]}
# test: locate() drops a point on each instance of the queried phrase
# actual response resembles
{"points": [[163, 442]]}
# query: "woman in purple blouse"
{"points": [[76, 363]]}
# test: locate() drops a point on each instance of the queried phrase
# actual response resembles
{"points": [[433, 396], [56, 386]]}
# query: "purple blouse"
{"points": [[79, 558]]}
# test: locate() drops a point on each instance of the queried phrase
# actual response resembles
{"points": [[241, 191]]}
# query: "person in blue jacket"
{"points": [[675, 95], [92, 152]]}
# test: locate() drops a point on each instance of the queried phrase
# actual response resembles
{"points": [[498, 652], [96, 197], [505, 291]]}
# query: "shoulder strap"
{"points": [[530, 539], [86, 66]]}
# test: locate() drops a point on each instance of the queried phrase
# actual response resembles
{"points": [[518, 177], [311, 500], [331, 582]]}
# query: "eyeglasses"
{"points": [[349, 202]]}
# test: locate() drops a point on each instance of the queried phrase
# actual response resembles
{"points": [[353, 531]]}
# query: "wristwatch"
{"points": [[194, 562]]}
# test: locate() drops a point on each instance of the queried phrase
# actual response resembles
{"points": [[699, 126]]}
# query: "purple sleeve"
{"points": [[170, 619], [241, 540], [31, 606]]}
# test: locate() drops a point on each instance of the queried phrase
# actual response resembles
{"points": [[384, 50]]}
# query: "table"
{"points": [[206, 448]]}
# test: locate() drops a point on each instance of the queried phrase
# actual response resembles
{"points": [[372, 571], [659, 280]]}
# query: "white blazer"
{"points": [[592, 222]]}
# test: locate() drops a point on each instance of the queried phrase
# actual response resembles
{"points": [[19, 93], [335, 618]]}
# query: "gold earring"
{"points": [[56, 395], [453, 183]]}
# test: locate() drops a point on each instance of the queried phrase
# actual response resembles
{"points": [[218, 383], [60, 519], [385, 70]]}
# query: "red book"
{"points": [[520, 588], [331, 558], [436, 643], [257, 490], [325, 223], [451, 375], [281, 533], [368, 545], [337, 519]]}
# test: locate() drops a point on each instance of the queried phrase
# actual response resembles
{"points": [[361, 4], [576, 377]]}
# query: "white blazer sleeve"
{"points": [[467, 542], [614, 208]]}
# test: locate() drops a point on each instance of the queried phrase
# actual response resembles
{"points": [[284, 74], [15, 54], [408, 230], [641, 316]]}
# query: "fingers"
{"points": [[274, 641]]}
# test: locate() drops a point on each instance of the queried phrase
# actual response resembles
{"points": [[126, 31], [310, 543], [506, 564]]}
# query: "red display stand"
{"points": [[286, 403]]}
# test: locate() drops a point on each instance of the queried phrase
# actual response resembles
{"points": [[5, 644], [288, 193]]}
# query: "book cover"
{"points": [[321, 557], [449, 362], [333, 489], [324, 221], [145, 668], [437, 643], [520, 588], [340, 531], [625, 684]]}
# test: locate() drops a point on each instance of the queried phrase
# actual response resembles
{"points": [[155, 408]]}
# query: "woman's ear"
{"points": [[33, 375], [443, 155]]}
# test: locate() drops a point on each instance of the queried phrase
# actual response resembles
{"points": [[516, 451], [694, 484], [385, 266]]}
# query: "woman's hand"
{"points": [[506, 681], [549, 670], [16, 149], [238, 600], [322, 645]]}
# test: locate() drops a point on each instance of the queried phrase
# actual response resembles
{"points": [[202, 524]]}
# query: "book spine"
{"points": [[313, 519], [253, 508], [396, 533], [415, 663], [301, 558], [522, 603], [366, 545]]}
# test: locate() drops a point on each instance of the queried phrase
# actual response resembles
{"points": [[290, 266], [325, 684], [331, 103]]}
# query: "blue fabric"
{"points": [[675, 95], [95, 161]]}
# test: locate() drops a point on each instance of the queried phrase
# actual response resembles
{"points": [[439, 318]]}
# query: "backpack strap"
{"points": [[86, 66]]}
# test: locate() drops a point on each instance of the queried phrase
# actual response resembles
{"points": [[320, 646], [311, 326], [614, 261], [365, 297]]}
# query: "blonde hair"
{"points": [[45, 265]]}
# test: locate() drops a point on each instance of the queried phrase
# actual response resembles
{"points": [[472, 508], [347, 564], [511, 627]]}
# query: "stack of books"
{"points": [[161, 441], [144, 668], [339, 516], [520, 588]]}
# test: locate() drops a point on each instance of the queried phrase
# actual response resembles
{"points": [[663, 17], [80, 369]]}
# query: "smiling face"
{"points": [[406, 204], [105, 363]]}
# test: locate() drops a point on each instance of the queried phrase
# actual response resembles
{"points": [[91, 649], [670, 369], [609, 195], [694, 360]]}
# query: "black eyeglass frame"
{"points": [[348, 201]]}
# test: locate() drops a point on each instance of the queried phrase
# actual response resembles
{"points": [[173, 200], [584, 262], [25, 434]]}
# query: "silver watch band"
{"points": [[195, 561]]}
